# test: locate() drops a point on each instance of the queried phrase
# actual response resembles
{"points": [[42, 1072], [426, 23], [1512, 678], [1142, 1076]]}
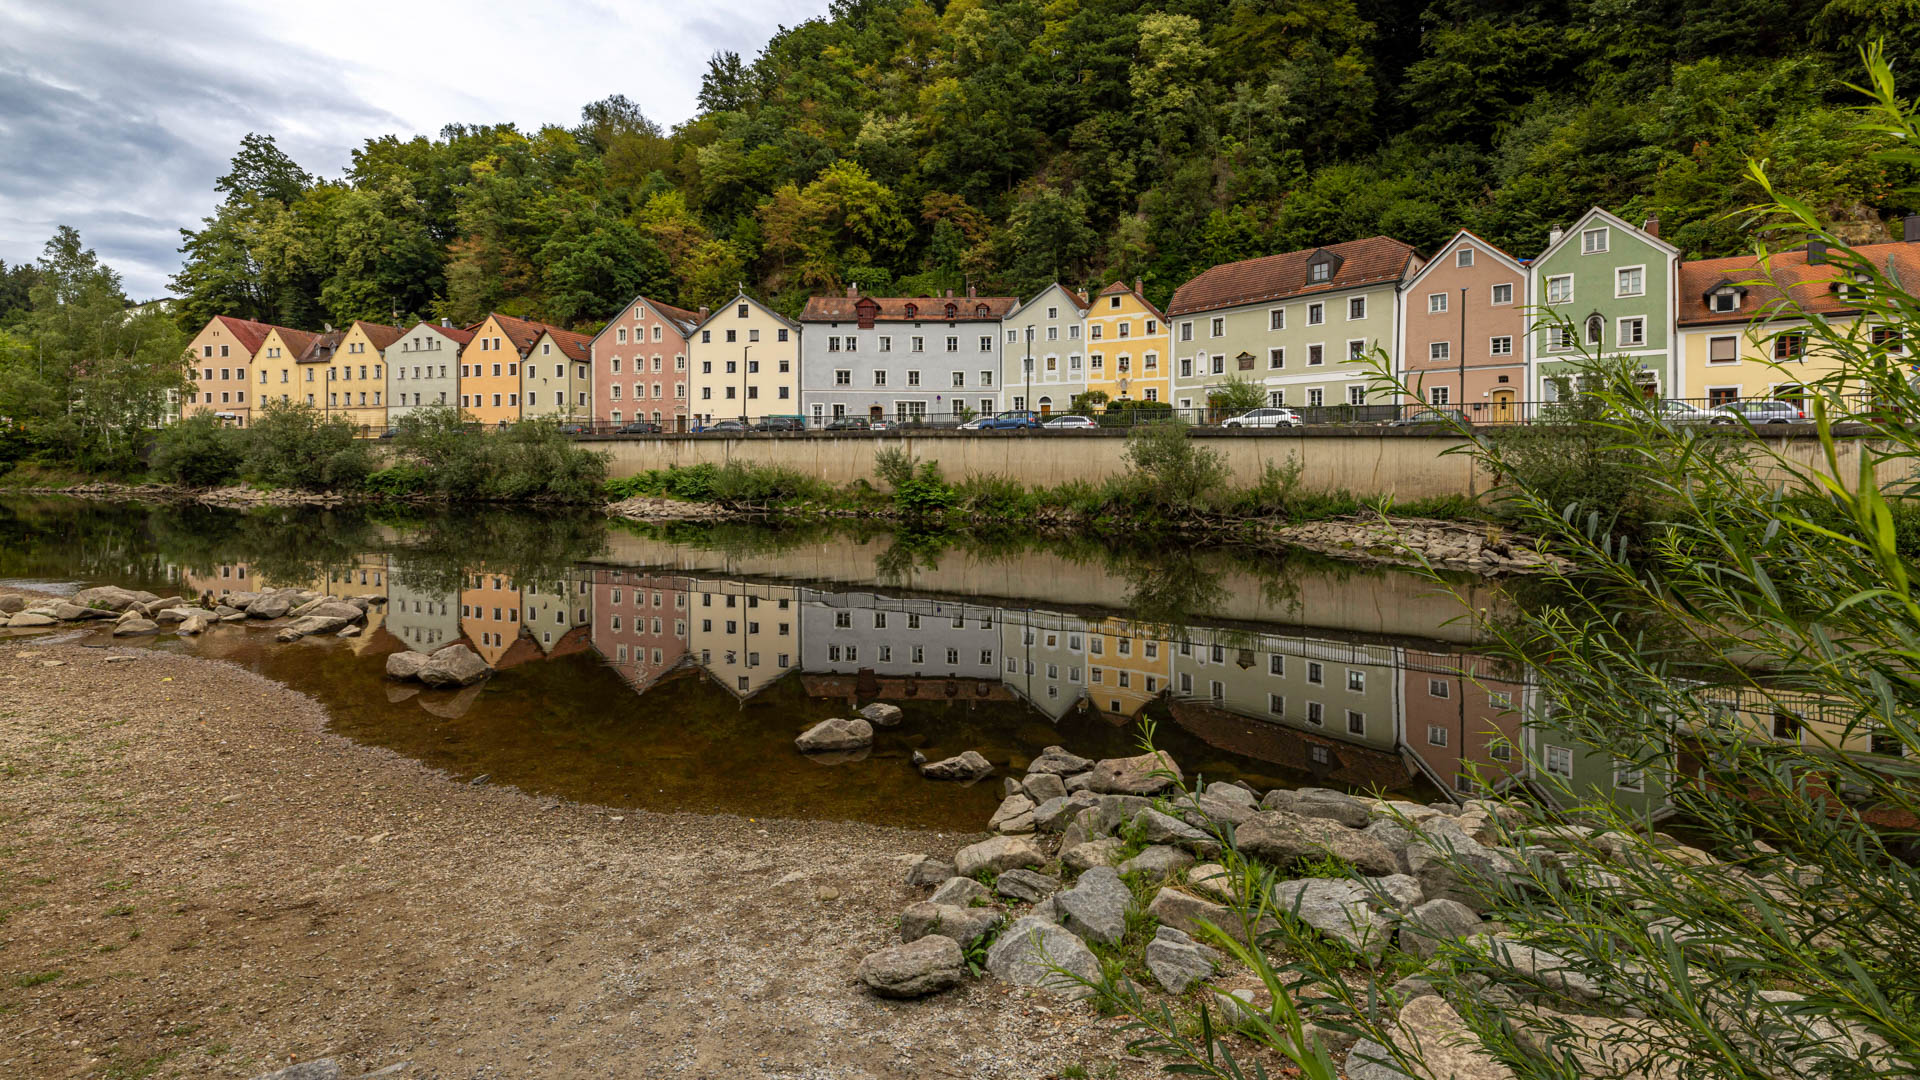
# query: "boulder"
{"points": [[1096, 907], [1279, 799], [1015, 815], [155, 607], [927, 870], [1212, 881], [455, 665], [405, 664], [925, 966], [1338, 909], [1026, 885], [336, 609], [1453, 867], [238, 616], [1544, 968], [193, 624], [997, 856], [270, 606], [13, 604], [1080, 782], [131, 627], [1054, 815], [1177, 961], [1280, 838], [1058, 761], [1102, 852], [835, 736], [177, 613], [1332, 805], [1442, 1042], [1187, 912], [1158, 862], [959, 891], [963, 925], [315, 624], [1394, 892], [1210, 809], [1429, 924], [67, 612], [881, 714], [1368, 1060], [1033, 952], [966, 767], [1041, 786], [1147, 774], [1155, 827], [28, 620]]}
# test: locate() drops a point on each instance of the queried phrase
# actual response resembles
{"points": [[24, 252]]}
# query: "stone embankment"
{"points": [[1448, 545], [292, 614]]}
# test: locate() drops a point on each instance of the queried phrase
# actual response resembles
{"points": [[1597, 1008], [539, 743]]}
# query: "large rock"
{"points": [[1211, 881], [997, 856], [1338, 909], [927, 870], [881, 714], [1436, 921], [831, 736], [1332, 805], [1457, 868], [1054, 815], [322, 624], [1034, 952], [1177, 961], [455, 665], [337, 609], [966, 766], [405, 664], [1158, 862], [1187, 912], [271, 606], [1041, 786], [69, 612], [177, 613], [959, 891], [1058, 761], [1015, 815], [1027, 885], [1147, 774], [1437, 1037], [1281, 838], [964, 925], [1155, 827], [1211, 807], [1096, 906], [193, 624], [14, 603], [1544, 968], [1083, 857], [1395, 892], [924, 966], [28, 620], [131, 627]]}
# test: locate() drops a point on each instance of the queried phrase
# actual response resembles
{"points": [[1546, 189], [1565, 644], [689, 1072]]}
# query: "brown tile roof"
{"points": [[576, 346], [459, 335], [247, 332], [298, 341], [895, 308], [687, 320], [380, 334], [1273, 277], [320, 347], [522, 332], [1787, 282], [1120, 289]]}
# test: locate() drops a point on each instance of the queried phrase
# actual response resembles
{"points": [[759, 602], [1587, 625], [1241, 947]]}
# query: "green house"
{"points": [[1605, 287]]}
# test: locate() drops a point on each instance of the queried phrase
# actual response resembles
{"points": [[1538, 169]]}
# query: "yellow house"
{"points": [[357, 375], [222, 354], [745, 361], [274, 366], [1126, 667], [1127, 346], [744, 635], [491, 389], [556, 379], [1738, 338]]}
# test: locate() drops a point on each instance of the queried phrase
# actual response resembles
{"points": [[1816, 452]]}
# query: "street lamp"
{"points": [[1463, 350], [1027, 402], [744, 350]]}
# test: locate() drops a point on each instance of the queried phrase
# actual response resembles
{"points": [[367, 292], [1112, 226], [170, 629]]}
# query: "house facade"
{"points": [[357, 374], [1463, 330], [745, 635], [1126, 345], [1347, 691], [1739, 334], [1043, 343], [222, 355], [490, 376], [639, 365], [1605, 288], [423, 368], [314, 366], [640, 623], [744, 362], [556, 379], [902, 358], [1304, 325], [1461, 719], [1044, 654], [847, 633], [276, 369]]}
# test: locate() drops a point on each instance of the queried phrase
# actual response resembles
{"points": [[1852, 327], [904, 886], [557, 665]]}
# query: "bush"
{"points": [[1134, 413], [528, 461], [400, 481], [1170, 470], [995, 496], [200, 451], [925, 494], [291, 444]]}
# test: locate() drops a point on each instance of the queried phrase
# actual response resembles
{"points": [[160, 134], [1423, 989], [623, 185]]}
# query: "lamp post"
{"points": [[1463, 350], [1027, 402], [744, 350]]}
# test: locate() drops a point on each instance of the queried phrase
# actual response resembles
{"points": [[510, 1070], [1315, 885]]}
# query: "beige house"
{"points": [[556, 379], [278, 375], [222, 355], [745, 361], [357, 375]]}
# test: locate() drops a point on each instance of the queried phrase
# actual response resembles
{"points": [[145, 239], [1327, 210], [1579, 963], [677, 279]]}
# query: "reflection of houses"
{"points": [[223, 578], [366, 575], [867, 686], [1328, 761], [1348, 691], [423, 620], [846, 633], [743, 633], [1462, 718], [552, 610], [490, 615], [1126, 666], [639, 623], [1045, 658]]}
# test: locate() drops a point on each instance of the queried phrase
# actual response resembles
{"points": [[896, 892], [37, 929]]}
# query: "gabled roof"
{"points": [[1372, 261], [1080, 303], [740, 298], [1120, 288], [459, 335], [575, 346], [1784, 282], [522, 332], [380, 334], [297, 341], [908, 308], [1433, 262], [1611, 219], [320, 347], [682, 319], [245, 331]]}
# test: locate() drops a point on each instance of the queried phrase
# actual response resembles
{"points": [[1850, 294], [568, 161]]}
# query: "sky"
{"points": [[117, 115]]}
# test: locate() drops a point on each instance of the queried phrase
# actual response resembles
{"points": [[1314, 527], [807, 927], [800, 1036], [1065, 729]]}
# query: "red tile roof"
{"points": [[459, 335], [895, 308], [1120, 289], [687, 319], [1787, 282], [576, 346], [298, 341], [380, 334], [1272, 277], [247, 332], [320, 347]]}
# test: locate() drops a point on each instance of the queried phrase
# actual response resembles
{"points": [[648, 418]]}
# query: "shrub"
{"points": [[292, 444], [925, 494], [1170, 471], [1132, 413], [200, 451], [995, 496], [399, 481]]}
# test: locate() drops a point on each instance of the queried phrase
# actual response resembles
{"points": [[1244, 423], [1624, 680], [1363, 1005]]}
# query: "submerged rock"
{"points": [[967, 766], [881, 714], [455, 665], [406, 664], [835, 735]]}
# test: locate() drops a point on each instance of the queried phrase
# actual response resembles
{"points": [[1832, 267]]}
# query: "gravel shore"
{"points": [[197, 879]]}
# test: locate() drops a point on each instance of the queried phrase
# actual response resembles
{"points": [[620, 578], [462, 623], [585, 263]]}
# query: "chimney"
{"points": [[970, 293], [853, 290], [1139, 288], [1553, 235], [447, 323], [1910, 229], [1816, 253], [1651, 226], [703, 313], [949, 295], [329, 327]]}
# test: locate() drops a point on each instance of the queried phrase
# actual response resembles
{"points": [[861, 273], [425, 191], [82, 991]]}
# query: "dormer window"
{"points": [[1321, 267], [952, 310], [913, 311], [1726, 300], [1319, 271]]}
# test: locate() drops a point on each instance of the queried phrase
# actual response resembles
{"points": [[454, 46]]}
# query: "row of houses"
{"points": [[1474, 327]]}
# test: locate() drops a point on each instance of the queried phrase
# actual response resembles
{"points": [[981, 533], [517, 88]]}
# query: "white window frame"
{"points": [[1437, 303], [1500, 346], [1351, 302], [1463, 257], [1493, 294], [1734, 338], [1606, 240], [1620, 339], [1568, 298], [1619, 270], [1551, 755]]}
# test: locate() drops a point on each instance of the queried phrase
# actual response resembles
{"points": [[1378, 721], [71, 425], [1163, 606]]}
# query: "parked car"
{"points": [[848, 423], [721, 427], [1270, 417], [576, 429], [1759, 412], [881, 425], [638, 427], [1014, 419], [390, 433], [1429, 417], [976, 423], [1679, 412], [1058, 422], [781, 423]]}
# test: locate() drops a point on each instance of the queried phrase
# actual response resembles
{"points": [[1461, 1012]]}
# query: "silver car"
{"points": [[1069, 422], [1272, 417], [1759, 412]]}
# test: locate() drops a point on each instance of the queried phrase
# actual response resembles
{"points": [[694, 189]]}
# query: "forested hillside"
{"points": [[910, 147]]}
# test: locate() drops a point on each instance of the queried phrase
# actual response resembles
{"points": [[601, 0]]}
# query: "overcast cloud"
{"points": [[117, 115]]}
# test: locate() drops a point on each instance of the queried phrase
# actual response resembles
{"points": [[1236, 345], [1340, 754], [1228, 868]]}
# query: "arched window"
{"points": [[1594, 325]]}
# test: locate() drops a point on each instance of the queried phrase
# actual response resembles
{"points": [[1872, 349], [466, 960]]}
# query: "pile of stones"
{"points": [[452, 666], [136, 612], [1052, 884]]}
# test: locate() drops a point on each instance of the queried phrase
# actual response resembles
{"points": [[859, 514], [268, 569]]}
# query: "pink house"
{"points": [[640, 365], [640, 623], [1463, 330]]}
